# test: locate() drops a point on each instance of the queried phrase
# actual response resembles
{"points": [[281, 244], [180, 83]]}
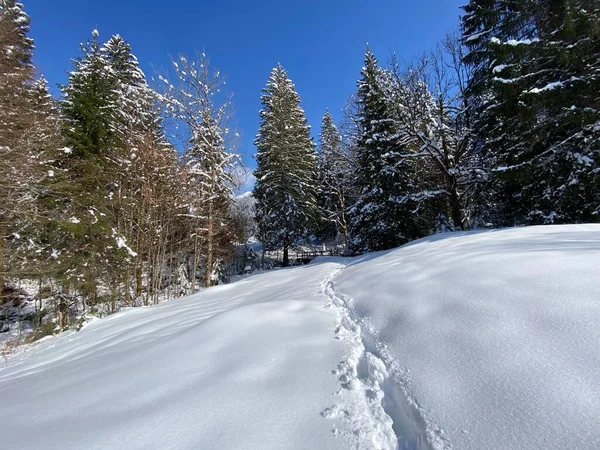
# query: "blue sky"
{"points": [[320, 42]]}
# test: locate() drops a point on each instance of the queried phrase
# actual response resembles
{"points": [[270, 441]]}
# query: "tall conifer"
{"points": [[285, 189], [381, 217]]}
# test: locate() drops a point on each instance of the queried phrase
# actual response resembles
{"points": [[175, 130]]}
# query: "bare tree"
{"points": [[198, 105], [429, 102]]}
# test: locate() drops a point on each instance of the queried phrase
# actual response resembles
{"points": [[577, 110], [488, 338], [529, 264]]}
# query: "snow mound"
{"points": [[499, 332]]}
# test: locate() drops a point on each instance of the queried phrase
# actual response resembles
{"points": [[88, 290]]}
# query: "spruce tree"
{"points": [[16, 71], [19, 169], [381, 217], [136, 111], [534, 88], [93, 147], [90, 102], [285, 189], [333, 173]]}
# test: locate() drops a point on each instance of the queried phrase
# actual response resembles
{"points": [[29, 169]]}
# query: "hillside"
{"points": [[480, 340]]}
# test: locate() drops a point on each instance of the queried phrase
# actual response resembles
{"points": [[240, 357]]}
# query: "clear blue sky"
{"points": [[320, 42]]}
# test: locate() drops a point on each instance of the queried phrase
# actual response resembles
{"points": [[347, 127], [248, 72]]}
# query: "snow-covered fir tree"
{"points": [[333, 167], [535, 82], [109, 112], [90, 102], [19, 169], [136, 101], [142, 158], [44, 141], [285, 190], [382, 216], [16, 70], [84, 231]]}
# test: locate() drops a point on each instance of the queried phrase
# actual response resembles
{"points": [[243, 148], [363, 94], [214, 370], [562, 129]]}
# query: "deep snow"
{"points": [[239, 366], [482, 340], [496, 333]]}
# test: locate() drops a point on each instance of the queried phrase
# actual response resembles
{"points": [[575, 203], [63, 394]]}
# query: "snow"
{"points": [[514, 42], [548, 87], [476, 36], [240, 366], [499, 68], [497, 329], [480, 340], [583, 159], [122, 242]]}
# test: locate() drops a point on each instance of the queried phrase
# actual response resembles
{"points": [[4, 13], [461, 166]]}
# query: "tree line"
{"points": [[121, 191], [498, 126], [118, 193]]}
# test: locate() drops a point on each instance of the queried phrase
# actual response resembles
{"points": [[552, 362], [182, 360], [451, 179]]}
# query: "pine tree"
{"points": [[381, 217], [120, 170], [137, 126], [90, 249], [135, 101], [285, 189], [333, 174], [534, 84], [90, 102], [19, 172], [16, 71], [44, 141]]}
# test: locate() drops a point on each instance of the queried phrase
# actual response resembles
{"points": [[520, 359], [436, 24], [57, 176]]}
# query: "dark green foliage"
{"points": [[97, 128], [381, 218], [535, 88], [285, 190], [90, 103], [333, 167]]}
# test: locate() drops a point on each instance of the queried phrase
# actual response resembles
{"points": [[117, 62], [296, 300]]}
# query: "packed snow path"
{"points": [[378, 412], [476, 341]]}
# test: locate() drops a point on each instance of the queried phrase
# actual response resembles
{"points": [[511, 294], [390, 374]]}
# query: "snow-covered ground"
{"points": [[495, 334], [482, 340]]}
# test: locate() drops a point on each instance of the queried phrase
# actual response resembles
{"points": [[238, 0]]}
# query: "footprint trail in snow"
{"points": [[377, 412]]}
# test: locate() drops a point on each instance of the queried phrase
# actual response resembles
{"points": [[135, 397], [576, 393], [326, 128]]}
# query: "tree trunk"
{"points": [[455, 209], [138, 281], [195, 262], [209, 245], [127, 292], [286, 258], [343, 221], [2, 243]]}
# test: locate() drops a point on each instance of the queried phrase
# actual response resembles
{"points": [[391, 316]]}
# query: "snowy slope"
{"points": [[483, 340], [497, 332], [240, 366]]}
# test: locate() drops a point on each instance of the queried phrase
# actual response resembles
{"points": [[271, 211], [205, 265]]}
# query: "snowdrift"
{"points": [[239, 366], [496, 333], [481, 340]]}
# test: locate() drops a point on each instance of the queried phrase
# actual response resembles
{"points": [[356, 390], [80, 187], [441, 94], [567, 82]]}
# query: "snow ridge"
{"points": [[375, 406]]}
